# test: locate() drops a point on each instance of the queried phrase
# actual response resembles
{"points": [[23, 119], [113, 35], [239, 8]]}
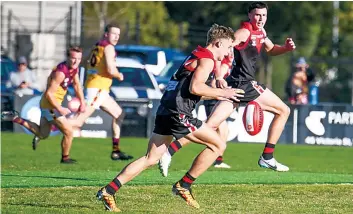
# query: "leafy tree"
{"points": [[145, 23]]}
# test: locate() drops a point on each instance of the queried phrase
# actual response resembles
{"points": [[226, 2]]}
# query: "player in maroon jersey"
{"points": [[52, 111]]}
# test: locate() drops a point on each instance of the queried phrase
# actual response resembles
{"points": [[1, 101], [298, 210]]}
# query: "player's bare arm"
{"points": [[109, 53], [79, 92], [54, 83], [274, 49], [199, 87], [221, 73], [241, 36]]}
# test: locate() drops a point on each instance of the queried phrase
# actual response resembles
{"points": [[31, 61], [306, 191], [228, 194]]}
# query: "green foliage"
{"points": [[146, 22], [309, 23]]}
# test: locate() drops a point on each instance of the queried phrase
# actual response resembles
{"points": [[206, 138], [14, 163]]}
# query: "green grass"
{"points": [[320, 179]]}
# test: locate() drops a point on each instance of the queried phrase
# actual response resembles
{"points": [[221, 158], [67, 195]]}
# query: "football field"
{"points": [[320, 179]]}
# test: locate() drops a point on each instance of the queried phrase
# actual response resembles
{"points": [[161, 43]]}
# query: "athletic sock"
{"points": [[174, 147], [187, 180], [65, 157], [19, 121], [116, 142], [268, 151], [113, 186], [219, 160]]}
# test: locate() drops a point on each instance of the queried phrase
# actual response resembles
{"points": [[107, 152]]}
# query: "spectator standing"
{"points": [[297, 86]]}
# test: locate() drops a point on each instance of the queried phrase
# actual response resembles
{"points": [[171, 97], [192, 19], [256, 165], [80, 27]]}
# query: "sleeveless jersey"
{"points": [[177, 97], [62, 89], [97, 73], [246, 54]]}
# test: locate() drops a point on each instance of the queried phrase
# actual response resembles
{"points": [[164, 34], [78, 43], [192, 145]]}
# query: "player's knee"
{"points": [[218, 148], [150, 161], [68, 133], [118, 118], [285, 111], [213, 124], [79, 123]]}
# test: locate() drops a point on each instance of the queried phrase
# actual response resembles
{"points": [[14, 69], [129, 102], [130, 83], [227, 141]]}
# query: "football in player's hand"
{"points": [[253, 118], [74, 104]]}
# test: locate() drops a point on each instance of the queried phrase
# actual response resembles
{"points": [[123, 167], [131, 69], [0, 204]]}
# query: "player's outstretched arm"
{"points": [[275, 50]]}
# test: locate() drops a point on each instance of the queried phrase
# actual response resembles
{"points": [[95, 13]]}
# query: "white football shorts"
{"points": [[95, 97]]}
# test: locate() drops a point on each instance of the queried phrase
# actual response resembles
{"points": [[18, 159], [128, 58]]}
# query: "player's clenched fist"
{"points": [[290, 45]]}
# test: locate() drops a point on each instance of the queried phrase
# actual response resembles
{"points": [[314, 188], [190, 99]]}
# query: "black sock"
{"points": [[113, 186], [219, 160], [187, 180], [174, 147], [268, 151]]}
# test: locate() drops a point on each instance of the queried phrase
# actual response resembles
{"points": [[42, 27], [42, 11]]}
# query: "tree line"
{"points": [[184, 25]]}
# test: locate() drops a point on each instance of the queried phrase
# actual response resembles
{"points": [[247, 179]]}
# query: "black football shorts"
{"points": [[252, 89], [178, 125]]}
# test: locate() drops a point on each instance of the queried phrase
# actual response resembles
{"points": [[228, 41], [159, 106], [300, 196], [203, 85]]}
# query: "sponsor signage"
{"points": [[307, 124], [325, 125], [98, 125], [237, 131], [28, 107]]}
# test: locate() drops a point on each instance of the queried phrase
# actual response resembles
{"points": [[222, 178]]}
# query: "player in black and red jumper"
{"points": [[177, 144], [249, 40], [174, 118]]}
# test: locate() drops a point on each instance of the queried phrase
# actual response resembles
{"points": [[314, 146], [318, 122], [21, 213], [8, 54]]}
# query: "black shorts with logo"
{"points": [[178, 125], [209, 105], [251, 88]]}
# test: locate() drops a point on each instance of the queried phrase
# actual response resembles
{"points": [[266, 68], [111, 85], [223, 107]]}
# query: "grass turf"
{"points": [[320, 179]]}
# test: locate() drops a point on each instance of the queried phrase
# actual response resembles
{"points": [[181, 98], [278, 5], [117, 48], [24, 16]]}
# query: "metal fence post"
{"points": [[9, 18], [352, 90], [2, 23], [68, 28]]}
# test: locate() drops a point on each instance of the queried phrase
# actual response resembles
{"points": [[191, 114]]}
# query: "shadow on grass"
{"points": [[48, 205], [52, 177]]}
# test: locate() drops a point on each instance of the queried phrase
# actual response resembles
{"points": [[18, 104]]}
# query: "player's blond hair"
{"points": [[217, 32]]}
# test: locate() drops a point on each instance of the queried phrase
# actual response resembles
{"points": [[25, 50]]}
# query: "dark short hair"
{"points": [[257, 5], [74, 49], [109, 26]]}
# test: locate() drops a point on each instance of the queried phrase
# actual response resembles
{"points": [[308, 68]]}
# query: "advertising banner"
{"points": [[325, 125], [307, 124], [237, 131]]}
